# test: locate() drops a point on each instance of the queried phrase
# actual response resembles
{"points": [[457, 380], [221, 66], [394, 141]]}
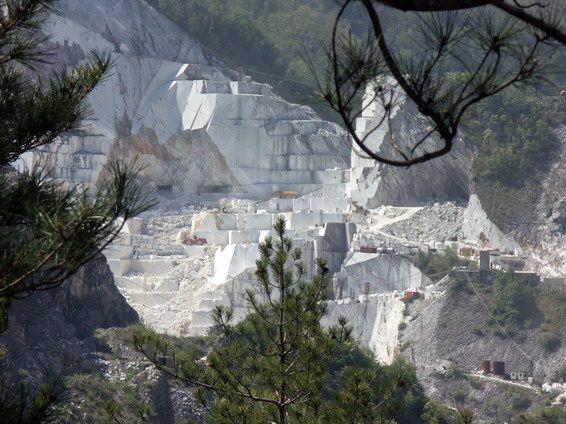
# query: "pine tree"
{"points": [[465, 416], [279, 364], [48, 231], [461, 54]]}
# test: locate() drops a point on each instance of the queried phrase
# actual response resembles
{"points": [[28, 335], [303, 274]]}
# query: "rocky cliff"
{"points": [[477, 226], [49, 331], [547, 237]]}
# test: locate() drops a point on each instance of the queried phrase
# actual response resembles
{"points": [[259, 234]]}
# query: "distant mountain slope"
{"points": [[269, 38], [127, 27]]}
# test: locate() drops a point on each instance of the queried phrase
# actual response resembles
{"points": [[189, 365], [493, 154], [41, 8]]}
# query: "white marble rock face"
{"points": [[383, 272], [477, 227], [162, 84]]}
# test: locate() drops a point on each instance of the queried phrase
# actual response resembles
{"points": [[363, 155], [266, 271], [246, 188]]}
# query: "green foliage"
{"points": [[228, 29], [347, 354], [459, 397], [513, 133], [477, 331], [519, 305], [518, 399], [394, 388], [437, 264], [549, 341], [546, 415], [465, 416], [513, 301], [22, 403], [4, 303], [107, 402], [48, 231], [355, 396], [510, 207], [436, 413], [455, 373], [459, 284], [278, 364], [560, 374], [476, 383], [552, 305], [403, 397], [267, 38]]}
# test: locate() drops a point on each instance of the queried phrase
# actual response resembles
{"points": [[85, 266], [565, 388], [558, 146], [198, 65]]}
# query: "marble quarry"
{"points": [[194, 125], [149, 270], [175, 286], [226, 156]]}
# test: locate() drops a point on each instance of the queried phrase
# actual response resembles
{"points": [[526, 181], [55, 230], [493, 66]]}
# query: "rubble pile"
{"points": [[438, 223]]}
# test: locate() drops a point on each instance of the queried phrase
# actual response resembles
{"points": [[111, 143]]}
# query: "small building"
{"points": [[485, 260], [468, 252], [411, 294], [499, 368]]}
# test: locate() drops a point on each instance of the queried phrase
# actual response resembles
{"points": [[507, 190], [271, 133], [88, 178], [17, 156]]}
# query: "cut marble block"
{"points": [[243, 236], [254, 221], [374, 320]]}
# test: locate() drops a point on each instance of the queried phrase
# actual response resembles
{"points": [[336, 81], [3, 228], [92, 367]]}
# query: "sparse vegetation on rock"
{"points": [[438, 264], [513, 301]]}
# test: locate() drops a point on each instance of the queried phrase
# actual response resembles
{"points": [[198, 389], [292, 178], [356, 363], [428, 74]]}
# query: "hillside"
{"points": [[448, 338], [270, 40], [39, 326], [264, 38]]}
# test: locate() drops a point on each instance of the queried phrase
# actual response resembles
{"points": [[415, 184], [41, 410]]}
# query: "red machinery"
{"points": [[195, 241]]}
